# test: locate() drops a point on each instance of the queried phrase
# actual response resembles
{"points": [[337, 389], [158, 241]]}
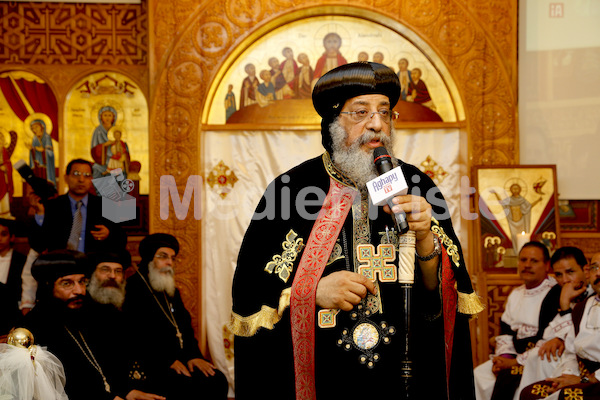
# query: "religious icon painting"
{"points": [[515, 205], [29, 131], [272, 79], [106, 121]]}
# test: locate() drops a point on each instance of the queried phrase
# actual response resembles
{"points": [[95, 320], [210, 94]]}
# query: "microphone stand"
{"points": [[406, 278], [406, 269]]}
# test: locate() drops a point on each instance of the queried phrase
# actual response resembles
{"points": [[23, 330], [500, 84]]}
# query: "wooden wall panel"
{"points": [[175, 61], [191, 40], [73, 34]]}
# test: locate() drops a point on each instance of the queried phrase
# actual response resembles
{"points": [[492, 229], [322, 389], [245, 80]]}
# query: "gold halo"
{"points": [[423, 69], [32, 117], [398, 56], [333, 27], [111, 132], [519, 182], [95, 109]]}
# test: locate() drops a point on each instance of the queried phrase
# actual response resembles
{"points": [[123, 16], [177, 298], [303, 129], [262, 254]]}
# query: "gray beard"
{"points": [[161, 282], [106, 294], [352, 160]]}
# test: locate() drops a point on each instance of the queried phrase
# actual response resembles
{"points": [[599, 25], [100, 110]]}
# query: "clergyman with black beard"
{"points": [[93, 355], [154, 305], [316, 301]]}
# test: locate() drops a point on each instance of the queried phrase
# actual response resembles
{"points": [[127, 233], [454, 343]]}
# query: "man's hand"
{"points": [[552, 349], [202, 365], [570, 291], [418, 216], [100, 233], [418, 213], [36, 203], [178, 367], [563, 381], [499, 363], [343, 290], [137, 395]]}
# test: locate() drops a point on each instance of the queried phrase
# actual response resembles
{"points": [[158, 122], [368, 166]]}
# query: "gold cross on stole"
{"points": [[377, 263]]}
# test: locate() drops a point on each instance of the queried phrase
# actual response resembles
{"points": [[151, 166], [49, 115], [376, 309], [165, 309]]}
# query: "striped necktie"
{"points": [[73, 242]]}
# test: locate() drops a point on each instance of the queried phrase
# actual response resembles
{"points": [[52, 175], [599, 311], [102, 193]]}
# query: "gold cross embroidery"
{"points": [[540, 390], [327, 318], [377, 263], [573, 394], [283, 264]]}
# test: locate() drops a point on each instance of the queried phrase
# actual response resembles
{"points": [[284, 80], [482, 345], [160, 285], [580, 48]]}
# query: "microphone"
{"points": [[40, 186], [387, 185]]}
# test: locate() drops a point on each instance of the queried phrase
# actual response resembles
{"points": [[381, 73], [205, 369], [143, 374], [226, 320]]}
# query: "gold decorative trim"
{"points": [[541, 390], [283, 264], [221, 179], [451, 248], [336, 254], [327, 318], [435, 171], [267, 317], [469, 303], [336, 173]]}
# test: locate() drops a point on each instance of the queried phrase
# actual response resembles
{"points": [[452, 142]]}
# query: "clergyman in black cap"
{"points": [[154, 305], [310, 318], [93, 361]]}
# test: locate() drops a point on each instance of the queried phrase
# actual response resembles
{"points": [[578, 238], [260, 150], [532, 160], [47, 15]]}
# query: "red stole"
{"points": [[320, 243], [449, 305]]}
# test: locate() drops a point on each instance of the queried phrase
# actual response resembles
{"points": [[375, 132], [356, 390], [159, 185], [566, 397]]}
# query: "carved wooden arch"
{"points": [[476, 41]]}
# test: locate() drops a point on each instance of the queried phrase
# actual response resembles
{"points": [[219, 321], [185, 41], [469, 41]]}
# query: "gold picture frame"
{"points": [[515, 204]]}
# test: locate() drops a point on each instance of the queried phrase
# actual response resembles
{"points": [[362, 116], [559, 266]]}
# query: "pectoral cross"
{"points": [[106, 385], [377, 263], [180, 337]]}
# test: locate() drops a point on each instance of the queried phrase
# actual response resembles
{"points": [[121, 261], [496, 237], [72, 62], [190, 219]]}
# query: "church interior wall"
{"points": [[177, 51]]}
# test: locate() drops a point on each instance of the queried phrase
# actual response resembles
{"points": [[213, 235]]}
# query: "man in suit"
{"points": [[11, 269], [74, 220]]}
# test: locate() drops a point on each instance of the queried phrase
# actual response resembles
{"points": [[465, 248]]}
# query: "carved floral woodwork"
{"points": [[53, 33], [176, 61], [191, 41]]}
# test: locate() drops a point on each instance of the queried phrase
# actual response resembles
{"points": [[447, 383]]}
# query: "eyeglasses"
{"points": [[107, 270], [163, 256], [361, 115], [79, 173], [594, 267], [68, 284]]}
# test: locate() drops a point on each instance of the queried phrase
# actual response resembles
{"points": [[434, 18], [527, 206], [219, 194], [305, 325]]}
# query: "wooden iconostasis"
{"points": [[155, 79]]}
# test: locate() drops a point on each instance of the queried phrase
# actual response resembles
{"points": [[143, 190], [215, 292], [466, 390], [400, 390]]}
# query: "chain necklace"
{"points": [[171, 317], [90, 357]]}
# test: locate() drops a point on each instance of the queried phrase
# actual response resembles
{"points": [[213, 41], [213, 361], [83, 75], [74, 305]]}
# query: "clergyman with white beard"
{"points": [[164, 326], [316, 301]]}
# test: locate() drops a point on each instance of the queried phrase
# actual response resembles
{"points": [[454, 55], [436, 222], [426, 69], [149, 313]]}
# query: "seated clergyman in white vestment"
{"points": [[578, 372], [569, 265]]}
